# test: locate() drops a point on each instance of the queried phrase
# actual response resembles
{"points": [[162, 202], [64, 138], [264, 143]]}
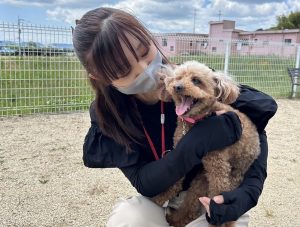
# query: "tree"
{"points": [[294, 18], [292, 21]]}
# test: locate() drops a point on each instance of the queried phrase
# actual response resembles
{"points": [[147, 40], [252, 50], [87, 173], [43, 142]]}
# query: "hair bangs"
{"points": [[109, 57]]}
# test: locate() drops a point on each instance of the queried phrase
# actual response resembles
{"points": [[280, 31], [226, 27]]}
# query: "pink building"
{"points": [[174, 44], [222, 33], [269, 42]]}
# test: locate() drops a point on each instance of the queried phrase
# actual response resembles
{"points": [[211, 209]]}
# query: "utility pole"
{"points": [[19, 32], [220, 14], [194, 29]]}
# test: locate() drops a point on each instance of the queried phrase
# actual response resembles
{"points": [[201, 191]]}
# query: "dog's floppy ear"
{"points": [[227, 90]]}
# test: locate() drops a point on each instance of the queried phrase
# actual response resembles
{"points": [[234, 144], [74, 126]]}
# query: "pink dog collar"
{"points": [[193, 120]]}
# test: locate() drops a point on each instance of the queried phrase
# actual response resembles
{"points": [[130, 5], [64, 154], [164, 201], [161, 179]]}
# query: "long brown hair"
{"points": [[97, 41]]}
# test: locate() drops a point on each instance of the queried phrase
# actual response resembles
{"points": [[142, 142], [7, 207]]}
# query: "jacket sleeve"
{"points": [[153, 177], [258, 106], [100, 151]]}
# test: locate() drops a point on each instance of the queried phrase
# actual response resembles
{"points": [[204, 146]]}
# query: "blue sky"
{"points": [[157, 15]]}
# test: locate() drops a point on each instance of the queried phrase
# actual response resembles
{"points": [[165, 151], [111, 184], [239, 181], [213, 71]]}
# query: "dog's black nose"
{"points": [[178, 88]]}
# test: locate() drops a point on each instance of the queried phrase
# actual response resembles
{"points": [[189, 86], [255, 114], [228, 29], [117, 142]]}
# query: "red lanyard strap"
{"points": [[151, 144], [163, 145], [162, 122]]}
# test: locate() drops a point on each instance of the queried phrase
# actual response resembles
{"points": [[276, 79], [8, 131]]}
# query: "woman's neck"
{"points": [[149, 98]]}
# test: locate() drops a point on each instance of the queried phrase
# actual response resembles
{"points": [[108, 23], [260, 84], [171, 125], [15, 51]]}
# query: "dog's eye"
{"points": [[196, 81]]}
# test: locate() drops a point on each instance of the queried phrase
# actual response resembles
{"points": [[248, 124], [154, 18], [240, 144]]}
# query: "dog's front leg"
{"points": [[169, 194], [218, 170], [186, 213], [191, 208]]}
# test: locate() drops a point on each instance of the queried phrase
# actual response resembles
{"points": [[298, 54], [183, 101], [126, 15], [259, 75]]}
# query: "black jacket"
{"points": [[152, 177]]}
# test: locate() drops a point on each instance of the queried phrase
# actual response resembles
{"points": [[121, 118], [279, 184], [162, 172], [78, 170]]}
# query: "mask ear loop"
{"points": [[93, 77]]}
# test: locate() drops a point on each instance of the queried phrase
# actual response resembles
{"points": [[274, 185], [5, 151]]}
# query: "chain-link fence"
{"points": [[39, 71], [41, 74]]}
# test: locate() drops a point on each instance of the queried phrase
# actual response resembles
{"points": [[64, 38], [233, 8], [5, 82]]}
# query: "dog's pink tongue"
{"points": [[184, 106]]}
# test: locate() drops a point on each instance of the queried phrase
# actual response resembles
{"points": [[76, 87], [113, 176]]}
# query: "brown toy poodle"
{"points": [[198, 91]]}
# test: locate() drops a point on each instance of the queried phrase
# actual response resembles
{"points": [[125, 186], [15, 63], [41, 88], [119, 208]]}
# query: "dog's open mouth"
{"points": [[187, 102]]}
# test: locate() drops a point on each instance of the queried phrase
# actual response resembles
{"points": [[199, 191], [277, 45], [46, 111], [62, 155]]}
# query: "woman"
{"points": [[133, 124]]}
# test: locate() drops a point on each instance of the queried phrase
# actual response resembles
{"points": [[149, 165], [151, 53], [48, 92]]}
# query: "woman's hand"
{"points": [[219, 199], [230, 206]]}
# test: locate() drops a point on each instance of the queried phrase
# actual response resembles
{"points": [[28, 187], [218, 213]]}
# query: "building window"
{"points": [[191, 43], [214, 49], [164, 42], [171, 48], [287, 41], [202, 43], [245, 42]]}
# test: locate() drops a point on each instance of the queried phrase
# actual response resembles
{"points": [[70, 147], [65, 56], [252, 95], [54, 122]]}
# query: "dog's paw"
{"points": [[171, 220], [176, 220]]}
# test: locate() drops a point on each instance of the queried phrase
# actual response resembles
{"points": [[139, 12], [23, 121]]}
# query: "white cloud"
{"points": [[230, 9], [294, 5], [67, 15], [55, 3], [256, 1], [164, 16], [176, 15], [35, 3], [251, 16]]}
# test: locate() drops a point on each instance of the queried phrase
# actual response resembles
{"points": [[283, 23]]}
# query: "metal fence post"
{"points": [[296, 66], [227, 54]]}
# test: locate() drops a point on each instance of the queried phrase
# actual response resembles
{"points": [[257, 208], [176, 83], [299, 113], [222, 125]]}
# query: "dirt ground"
{"points": [[43, 181]]}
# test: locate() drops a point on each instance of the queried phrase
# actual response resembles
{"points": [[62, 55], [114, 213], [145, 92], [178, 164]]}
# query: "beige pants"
{"points": [[139, 211]]}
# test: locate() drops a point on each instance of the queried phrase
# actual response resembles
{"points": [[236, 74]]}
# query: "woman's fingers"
{"points": [[206, 201], [219, 199]]}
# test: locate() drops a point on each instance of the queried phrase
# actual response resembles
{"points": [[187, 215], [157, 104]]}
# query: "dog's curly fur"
{"points": [[223, 169]]}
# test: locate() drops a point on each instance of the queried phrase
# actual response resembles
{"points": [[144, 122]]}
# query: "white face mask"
{"points": [[147, 80]]}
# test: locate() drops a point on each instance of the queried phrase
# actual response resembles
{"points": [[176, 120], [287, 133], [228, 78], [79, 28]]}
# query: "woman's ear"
{"points": [[227, 90]]}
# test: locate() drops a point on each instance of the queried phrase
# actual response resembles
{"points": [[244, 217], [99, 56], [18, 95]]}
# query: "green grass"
{"points": [[42, 84], [38, 84]]}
